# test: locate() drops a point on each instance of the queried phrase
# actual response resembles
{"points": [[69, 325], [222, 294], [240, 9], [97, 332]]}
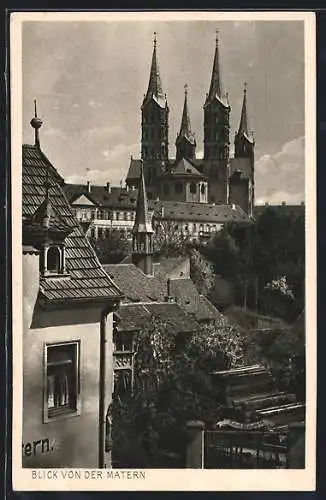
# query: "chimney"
{"points": [[169, 297], [88, 186], [108, 187], [302, 203], [283, 203], [266, 203]]}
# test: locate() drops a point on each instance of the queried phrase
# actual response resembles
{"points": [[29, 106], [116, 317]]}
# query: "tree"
{"points": [[113, 248], [172, 387], [169, 241], [201, 272], [252, 255]]}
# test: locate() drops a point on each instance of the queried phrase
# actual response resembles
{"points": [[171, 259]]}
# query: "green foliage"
{"points": [[201, 272], [113, 248], [251, 256], [172, 386]]}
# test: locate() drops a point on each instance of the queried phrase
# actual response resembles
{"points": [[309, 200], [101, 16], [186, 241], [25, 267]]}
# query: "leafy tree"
{"points": [[169, 241], [113, 248], [172, 386], [252, 255], [201, 272]]}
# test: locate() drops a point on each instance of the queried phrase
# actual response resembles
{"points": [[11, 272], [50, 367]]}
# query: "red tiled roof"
{"points": [[88, 280], [138, 287], [135, 316]]}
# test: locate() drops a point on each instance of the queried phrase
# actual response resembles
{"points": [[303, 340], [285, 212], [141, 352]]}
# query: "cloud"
{"points": [[281, 177], [54, 132]]}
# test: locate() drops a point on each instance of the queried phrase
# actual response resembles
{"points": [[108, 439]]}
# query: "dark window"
{"points": [[100, 232], [150, 196], [123, 341], [178, 187], [122, 382], [62, 379], [193, 188], [53, 260], [203, 189]]}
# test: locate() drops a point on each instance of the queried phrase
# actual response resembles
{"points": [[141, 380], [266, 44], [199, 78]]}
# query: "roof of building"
{"points": [[141, 288], [244, 121], [185, 127], [155, 90], [143, 219], [185, 168], [123, 199], [216, 87], [88, 280], [201, 212], [102, 196], [135, 316]]}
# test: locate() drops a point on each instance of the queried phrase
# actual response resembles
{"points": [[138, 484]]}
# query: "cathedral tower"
{"points": [[185, 142], [142, 232], [216, 115], [242, 180], [155, 113]]}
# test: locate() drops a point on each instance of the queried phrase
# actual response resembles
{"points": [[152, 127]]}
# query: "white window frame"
{"points": [[67, 414]]}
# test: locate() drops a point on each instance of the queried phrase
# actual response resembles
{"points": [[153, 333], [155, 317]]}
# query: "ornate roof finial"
{"points": [[155, 39], [36, 123], [216, 37], [245, 85], [186, 89]]}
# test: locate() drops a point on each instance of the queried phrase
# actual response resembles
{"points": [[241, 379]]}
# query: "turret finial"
{"points": [[245, 85], [36, 123], [216, 36], [186, 89], [155, 39]]}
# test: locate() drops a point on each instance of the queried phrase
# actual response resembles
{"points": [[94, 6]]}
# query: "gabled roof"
{"points": [[141, 288], [102, 196], [199, 212], [136, 316], [184, 167], [88, 280]]}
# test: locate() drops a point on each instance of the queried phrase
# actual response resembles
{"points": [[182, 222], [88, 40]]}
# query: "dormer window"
{"points": [[53, 260]]}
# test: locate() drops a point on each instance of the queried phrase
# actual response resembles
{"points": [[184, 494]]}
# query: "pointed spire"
{"points": [[185, 128], [155, 84], [244, 122], [143, 222], [36, 123], [216, 87]]}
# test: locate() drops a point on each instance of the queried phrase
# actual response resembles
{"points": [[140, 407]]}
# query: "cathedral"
{"points": [[216, 178]]}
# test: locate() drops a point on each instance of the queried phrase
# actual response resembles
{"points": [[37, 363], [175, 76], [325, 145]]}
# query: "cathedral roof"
{"points": [[184, 167], [244, 122], [143, 223], [185, 128], [87, 278], [155, 90], [216, 87]]}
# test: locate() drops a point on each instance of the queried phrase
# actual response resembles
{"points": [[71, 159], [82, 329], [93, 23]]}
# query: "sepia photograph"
{"points": [[163, 217]]}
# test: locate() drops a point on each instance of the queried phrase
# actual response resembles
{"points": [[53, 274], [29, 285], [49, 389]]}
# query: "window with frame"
{"points": [[62, 391], [53, 260]]}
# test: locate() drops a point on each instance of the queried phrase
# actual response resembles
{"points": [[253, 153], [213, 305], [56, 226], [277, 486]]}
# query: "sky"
{"points": [[89, 79]]}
